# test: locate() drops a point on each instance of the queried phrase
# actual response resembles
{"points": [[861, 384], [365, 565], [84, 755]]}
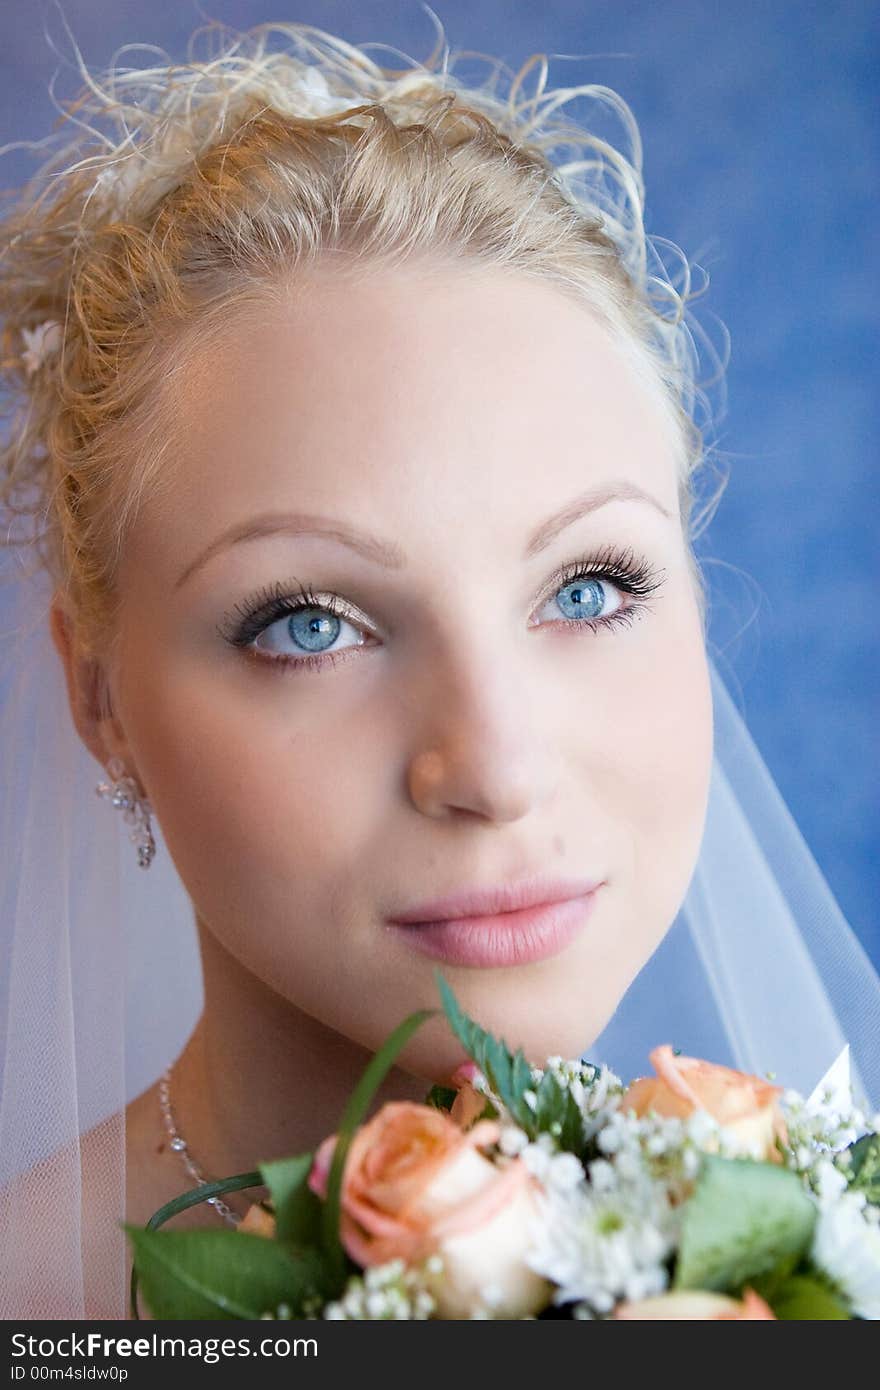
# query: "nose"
{"points": [[481, 752]]}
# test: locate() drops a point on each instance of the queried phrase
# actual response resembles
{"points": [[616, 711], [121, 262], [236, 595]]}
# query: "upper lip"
{"points": [[503, 897]]}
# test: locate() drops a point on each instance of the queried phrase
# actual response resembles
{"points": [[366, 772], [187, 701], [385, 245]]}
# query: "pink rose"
{"points": [[747, 1107], [416, 1184]]}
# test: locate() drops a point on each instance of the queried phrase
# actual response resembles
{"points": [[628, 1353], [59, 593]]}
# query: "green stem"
{"points": [[192, 1198]]}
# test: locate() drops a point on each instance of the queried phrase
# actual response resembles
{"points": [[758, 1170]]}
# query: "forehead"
{"points": [[409, 397]]}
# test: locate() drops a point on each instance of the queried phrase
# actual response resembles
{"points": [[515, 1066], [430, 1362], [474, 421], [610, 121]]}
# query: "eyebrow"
{"points": [[389, 555]]}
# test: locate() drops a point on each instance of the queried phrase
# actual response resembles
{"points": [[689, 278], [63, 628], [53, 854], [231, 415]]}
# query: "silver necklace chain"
{"points": [[179, 1145]]}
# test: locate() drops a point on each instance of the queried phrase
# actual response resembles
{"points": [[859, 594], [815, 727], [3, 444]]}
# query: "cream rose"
{"points": [[694, 1304], [747, 1107], [416, 1184]]}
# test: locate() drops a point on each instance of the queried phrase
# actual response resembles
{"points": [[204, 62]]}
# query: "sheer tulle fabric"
{"points": [[100, 987], [100, 983]]}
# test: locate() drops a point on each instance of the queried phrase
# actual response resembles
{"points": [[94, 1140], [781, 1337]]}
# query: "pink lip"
{"points": [[503, 897], [504, 938]]}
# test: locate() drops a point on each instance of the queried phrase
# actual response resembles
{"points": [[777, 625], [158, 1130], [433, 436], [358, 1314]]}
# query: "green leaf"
{"points": [[192, 1198], [807, 1300], [742, 1220], [352, 1116], [510, 1076], [297, 1208], [441, 1097], [768, 1285], [864, 1157], [521, 1074], [223, 1274], [548, 1103]]}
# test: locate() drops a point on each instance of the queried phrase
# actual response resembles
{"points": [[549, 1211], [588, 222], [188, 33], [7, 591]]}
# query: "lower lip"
{"points": [[507, 938]]}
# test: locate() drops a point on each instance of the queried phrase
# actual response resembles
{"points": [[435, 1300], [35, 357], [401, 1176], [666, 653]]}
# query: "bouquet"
{"points": [[557, 1192]]}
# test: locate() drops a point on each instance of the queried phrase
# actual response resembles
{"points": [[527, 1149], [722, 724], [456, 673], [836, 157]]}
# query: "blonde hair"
{"points": [[219, 180]]}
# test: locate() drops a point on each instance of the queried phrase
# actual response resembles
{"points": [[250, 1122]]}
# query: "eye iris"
{"points": [[586, 599], [309, 631]]}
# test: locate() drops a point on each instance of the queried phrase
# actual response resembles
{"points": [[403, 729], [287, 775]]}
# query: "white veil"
{"points": [[100, 982]]}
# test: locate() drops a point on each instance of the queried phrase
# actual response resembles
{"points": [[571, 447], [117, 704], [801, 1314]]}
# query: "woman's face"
{"points": [[470, 722]]}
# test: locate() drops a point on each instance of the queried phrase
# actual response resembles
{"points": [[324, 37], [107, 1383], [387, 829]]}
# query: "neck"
{"points": [[259, 1079]]}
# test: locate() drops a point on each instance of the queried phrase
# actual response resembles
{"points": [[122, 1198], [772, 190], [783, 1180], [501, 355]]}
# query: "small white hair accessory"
{"points": [[40, 344], [321, 99]]}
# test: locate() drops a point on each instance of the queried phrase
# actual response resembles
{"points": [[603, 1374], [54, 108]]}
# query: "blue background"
{"points": [[760, 156]]}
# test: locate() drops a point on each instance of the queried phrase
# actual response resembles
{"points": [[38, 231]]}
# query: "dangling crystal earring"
{"points": [[135, 808]]}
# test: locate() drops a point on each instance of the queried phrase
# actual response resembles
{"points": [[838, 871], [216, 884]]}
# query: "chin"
{"points": [[560, 1029]]}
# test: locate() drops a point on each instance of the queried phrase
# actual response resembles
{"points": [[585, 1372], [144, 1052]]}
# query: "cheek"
{"points": [[261, 811], [670, 762], [673, 741], [654, 795]]}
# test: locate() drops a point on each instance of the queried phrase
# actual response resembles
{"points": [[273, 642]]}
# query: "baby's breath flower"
{"points": [[655, 1149], [702, 1128], [552, 1168], [390, 1291], [602, 1175], [819, 1134], [592, 1088], [512, 1139]]}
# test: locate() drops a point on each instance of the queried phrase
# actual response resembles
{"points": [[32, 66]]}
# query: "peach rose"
{"points": [[747, 1107], [415, 1184], [696, 1305], [257, 1221], [469, 1103]]}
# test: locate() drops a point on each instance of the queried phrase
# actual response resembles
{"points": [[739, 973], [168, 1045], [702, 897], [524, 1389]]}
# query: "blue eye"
{"points": [[588, 596], [313, 628]]}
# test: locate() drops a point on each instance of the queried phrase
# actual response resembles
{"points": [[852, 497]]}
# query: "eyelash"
{"points": [[627, 572]]}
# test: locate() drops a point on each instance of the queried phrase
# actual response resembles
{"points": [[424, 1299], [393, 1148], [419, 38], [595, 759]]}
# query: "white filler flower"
{"points": [[846, 1246], [601, 1246]]}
